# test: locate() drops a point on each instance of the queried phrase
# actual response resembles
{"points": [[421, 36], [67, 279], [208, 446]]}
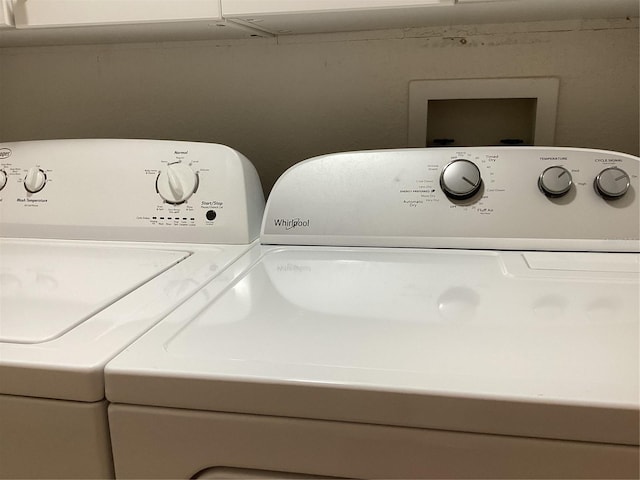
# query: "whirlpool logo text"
{"points": [[291, 223]]}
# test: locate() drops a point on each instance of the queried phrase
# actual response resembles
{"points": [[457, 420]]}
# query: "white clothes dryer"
{"points": [[423, 313], [100, 239]]}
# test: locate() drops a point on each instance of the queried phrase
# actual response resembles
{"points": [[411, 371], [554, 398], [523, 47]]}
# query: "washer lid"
{"points": [[126, 287], [48, 291], [455, 340]]}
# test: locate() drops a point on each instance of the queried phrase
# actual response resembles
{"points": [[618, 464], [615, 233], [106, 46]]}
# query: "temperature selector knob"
{"points": [[612, 183], [555, 181], [3, 179], [35, 180], [460, 179], [177, 183]]}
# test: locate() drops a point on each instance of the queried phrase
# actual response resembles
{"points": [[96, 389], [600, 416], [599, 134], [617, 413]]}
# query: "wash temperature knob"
{"points": [[177, 183], [35, 180]]}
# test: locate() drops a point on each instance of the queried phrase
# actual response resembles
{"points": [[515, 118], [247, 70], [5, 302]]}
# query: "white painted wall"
{"points": [[282, 100]]}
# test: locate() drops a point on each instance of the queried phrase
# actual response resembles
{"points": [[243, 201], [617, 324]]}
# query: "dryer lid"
{"points": [[456, 340]]}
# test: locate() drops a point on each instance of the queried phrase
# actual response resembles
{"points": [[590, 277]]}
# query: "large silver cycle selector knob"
{"points": [[176, 183], [460, 179], [555, 181], [35, 180], [612, 183], [3, 179]]}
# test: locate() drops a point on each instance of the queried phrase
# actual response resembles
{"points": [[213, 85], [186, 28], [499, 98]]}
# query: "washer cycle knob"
{"points": [[177, 183], [612, 183], [555, 181], [460, 179], [3, 179], [35, 180]]}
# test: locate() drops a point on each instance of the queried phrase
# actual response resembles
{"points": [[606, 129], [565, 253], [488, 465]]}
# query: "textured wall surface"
{"points": [[285, 99]]}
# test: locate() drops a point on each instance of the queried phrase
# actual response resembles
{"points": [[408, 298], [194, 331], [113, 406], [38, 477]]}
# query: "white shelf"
{"points": [[55, 22], [51, 22], [6, 14], [66, 13], [250, 7], [322, 16]]}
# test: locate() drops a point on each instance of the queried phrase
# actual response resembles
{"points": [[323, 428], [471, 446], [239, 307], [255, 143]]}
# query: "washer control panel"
{"points": [[482, 197], [138, 190]]}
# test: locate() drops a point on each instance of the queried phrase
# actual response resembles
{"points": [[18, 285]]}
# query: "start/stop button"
{"points": [[211, 215]]}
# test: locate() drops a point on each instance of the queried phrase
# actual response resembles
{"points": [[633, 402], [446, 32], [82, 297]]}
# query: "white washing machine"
{"points": [[100, 239], [410, 314]]}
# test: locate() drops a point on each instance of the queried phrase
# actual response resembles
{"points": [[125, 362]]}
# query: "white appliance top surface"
{"points": [[100, 239], [47, 291], [67, 307], [465, 340]]}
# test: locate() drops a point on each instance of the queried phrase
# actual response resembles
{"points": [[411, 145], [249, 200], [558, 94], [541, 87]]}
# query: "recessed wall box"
{"points": [[477, 112]]}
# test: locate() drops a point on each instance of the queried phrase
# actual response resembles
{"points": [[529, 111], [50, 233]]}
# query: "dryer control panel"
{"points": [[137, 190], [480, 197]]}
